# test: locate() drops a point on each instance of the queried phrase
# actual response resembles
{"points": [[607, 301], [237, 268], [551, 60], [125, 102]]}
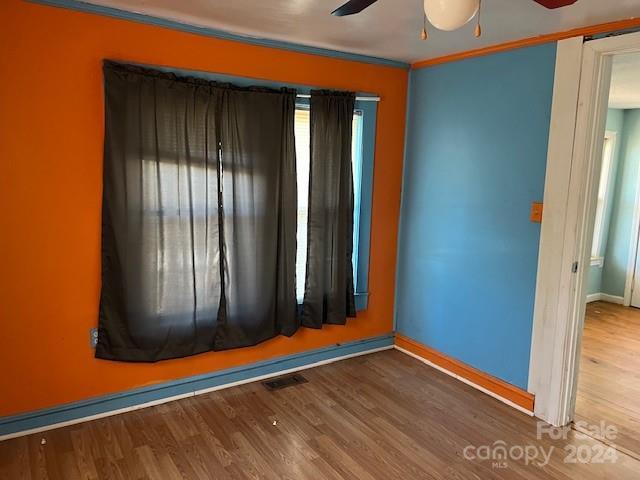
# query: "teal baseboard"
{"points": [[11, 426]]}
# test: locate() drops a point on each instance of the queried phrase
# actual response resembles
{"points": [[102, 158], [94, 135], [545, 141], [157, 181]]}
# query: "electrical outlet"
{"points": [[93, 337]]}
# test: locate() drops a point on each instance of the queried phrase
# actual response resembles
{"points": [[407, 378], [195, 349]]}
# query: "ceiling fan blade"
{"points": [[352, 6], [555, 3]]}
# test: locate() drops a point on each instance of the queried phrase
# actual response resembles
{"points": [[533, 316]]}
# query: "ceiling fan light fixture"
{"points": [[450, 15]]}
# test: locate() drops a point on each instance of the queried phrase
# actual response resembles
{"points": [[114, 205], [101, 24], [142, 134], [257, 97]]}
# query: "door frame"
{"points": [[578, 117]]}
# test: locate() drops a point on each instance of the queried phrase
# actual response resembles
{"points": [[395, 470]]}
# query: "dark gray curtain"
{"points": [[199, 214], [328, 296], [260, 213]]}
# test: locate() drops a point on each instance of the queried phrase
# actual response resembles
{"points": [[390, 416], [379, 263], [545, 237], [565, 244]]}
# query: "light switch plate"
{"points": [[536, 212]]}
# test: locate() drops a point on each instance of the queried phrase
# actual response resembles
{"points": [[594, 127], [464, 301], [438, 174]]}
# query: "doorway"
{"points": [[608, 388], [576, 238]]}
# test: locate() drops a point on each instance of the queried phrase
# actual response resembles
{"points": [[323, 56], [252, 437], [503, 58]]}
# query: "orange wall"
{"points": [[51, 134]]}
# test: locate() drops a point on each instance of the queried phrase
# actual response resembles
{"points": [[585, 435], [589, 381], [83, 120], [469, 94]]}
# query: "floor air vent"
{"points": [[284, 382]]}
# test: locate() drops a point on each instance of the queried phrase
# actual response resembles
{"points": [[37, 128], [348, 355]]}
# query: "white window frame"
{"points": [[599, 230]]}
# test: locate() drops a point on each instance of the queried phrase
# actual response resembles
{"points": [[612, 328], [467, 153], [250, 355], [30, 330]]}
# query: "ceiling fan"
{"points": [[443, 14]]}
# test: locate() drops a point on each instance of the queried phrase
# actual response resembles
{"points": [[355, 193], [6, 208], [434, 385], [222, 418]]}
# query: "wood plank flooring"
{"points": [[379, 416], [609, 378]]}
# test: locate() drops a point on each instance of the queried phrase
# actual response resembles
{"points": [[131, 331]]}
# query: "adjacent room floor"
{"points": [[609, 380], [379, 416]]}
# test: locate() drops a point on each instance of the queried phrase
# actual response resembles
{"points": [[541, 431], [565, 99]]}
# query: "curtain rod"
{"points": [[231, 79], [363, 99]]}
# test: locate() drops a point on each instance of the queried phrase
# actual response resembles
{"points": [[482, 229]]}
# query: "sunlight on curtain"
{"points": [[302, 134]]}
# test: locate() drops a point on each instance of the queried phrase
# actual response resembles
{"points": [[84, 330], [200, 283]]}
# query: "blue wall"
{"points": [[477, 138], [619, 242], [615, 123]]}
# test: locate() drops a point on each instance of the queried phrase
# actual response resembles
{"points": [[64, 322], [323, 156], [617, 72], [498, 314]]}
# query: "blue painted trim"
{"points": [[362, 299], [210, 32], [365, 171], [94, 406]]}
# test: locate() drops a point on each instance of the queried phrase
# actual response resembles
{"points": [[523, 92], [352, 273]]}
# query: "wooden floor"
{"points": [[609, 379], [379, 416]]}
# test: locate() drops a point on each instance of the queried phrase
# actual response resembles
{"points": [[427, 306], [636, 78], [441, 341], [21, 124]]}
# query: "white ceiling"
{"points": [[388, 29], [625, 81]]}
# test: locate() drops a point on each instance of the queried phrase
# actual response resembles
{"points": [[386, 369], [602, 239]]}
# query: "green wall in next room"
{"points": [[622, 206]]}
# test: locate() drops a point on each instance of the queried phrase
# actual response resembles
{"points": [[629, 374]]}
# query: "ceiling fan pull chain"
{"points": [[478, 31], [423, 34]]}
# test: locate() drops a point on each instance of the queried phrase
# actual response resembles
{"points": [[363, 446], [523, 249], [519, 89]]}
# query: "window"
{"points": [[193, 249], [604, 187], [302, 133], [164, 210], [302, 170]]}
